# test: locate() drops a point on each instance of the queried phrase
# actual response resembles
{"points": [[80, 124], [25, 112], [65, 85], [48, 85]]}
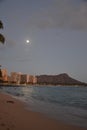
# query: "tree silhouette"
{"points": [[2, 38]]}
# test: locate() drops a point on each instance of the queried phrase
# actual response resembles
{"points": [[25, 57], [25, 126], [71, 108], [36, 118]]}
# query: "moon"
{"points": [[27, 41]]}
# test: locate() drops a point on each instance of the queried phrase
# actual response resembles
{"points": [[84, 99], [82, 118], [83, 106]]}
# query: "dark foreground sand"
{"points": [[14, 116]]}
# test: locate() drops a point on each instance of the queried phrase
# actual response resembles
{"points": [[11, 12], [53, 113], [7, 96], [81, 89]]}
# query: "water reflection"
{"points": [[27, 91], [18, 91]]}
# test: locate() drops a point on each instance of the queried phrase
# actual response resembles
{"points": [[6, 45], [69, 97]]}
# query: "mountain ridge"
{"points": [[60, 79]]}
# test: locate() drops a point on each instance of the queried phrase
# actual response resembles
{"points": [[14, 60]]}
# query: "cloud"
{"points": [[10, 42], [1, 1], [61, 14], [84, 0]]}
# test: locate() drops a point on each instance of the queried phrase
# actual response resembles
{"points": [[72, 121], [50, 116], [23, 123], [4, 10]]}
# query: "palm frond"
{"points": [[2, 39], [1, 24]]}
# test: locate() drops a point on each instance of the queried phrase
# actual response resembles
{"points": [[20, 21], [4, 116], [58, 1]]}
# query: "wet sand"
{"points": [[14, 116]]}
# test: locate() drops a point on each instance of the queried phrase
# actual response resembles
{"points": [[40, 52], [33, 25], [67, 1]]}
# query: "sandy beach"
{"points": [[14, 116]]}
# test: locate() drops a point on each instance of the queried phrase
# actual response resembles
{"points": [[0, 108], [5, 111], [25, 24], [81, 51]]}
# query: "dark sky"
{"points": [[57, 31]]}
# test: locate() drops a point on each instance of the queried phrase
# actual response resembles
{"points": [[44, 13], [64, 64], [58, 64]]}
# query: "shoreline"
{"points": [[41, 85], [15, 116]]}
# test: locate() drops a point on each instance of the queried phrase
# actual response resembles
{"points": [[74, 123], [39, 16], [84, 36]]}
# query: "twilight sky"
{"points": [[57, 30]]}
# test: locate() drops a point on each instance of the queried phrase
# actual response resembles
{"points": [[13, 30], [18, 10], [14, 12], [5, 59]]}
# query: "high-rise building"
{"points": [[30, 79], [4, 75], [15, 77], [34, 79], [24, 78]]}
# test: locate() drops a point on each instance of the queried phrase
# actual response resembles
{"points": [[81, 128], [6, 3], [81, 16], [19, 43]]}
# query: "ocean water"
{"points": [[65, 103]]}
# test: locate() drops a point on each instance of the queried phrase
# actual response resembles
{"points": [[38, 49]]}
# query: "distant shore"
{"points": [[23, 85], [14, 116]]}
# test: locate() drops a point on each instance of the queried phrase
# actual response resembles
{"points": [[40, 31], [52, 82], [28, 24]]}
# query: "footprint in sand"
{"points": [[10, 101]]}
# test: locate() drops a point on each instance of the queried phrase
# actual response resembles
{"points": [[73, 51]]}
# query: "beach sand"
{"points": [[14, 116]]}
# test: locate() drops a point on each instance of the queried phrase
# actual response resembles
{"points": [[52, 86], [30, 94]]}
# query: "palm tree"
{"points": [[2, 39]]}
